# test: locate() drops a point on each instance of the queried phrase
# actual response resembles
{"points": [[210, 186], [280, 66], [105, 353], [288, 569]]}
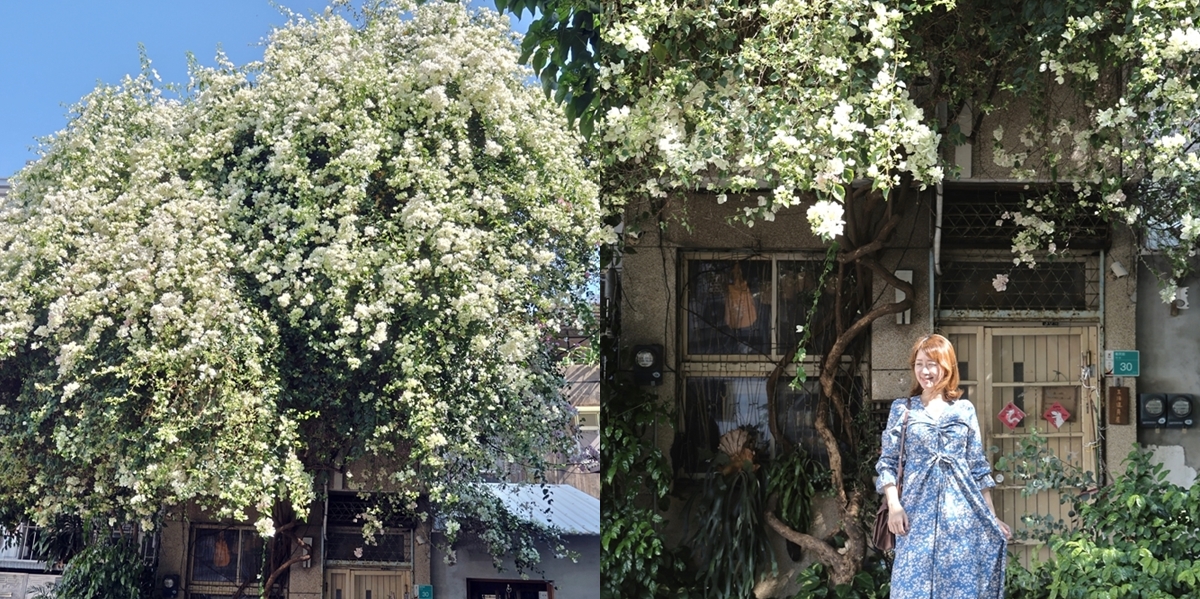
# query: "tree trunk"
{"points": [[845, 563]]}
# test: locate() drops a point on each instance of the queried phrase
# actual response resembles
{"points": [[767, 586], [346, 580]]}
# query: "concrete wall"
{"points": [[1170, 361], [891, 342], [571, 580], [1121, 330]]}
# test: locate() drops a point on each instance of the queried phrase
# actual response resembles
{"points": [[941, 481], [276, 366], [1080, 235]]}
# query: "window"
{"points": [[223, 559], [753, 305], [20, 545], [741, 318], [1067, 285], [346, 546]]}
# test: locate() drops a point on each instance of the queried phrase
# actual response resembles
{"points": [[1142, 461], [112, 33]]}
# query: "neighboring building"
{"points": [[1169, 345], [722, 302], [213, 557], [582, 470], [21, 575], [470, 574]]}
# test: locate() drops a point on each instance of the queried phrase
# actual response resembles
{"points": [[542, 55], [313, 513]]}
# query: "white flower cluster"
{"points": [[1140, 135], [361, 242], [781, 110]]}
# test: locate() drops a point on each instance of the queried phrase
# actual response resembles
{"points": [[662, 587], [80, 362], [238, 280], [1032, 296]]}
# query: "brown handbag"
{"points": [[885, 540]]}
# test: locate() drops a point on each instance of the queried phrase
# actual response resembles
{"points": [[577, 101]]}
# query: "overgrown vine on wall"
{"points": [[636, 560]]}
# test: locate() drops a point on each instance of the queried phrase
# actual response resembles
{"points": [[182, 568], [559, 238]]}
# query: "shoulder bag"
{"points": [[885, 540]]}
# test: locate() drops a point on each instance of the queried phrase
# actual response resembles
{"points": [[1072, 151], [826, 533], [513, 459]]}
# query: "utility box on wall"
{"points": [[1171, 410], [1180, 407]]}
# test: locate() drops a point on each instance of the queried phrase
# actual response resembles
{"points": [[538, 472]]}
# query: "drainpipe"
{"points": [[937, 234], [1101, 440], [324, 527], [932, 301]]}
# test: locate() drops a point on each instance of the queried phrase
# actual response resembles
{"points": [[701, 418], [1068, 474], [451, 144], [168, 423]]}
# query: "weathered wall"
{"points": [[891, 342], [571, 580], [1170, 350], [1121, 331]]}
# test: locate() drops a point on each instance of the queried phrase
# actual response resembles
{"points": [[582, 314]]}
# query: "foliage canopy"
{"points": [[795, 100], [353, 251]]}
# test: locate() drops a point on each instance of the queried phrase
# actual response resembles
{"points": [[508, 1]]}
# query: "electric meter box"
{"points": [[1181, 409], [1168, 410], [1152, 409]]}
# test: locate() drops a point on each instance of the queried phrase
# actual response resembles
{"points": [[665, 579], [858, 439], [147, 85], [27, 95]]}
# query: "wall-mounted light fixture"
{"points": [[1118, 269], [904, 317]]}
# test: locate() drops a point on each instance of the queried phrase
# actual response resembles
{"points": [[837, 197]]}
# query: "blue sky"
{"points": [[53, 52]]}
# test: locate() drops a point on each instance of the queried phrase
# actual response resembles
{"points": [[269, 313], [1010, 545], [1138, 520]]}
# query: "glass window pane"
{"points": [[797, 417], [798, 284], [215, 555], [729, 307]]}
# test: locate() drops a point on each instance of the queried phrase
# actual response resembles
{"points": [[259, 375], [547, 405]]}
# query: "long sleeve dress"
{"points": [[955, 549]]}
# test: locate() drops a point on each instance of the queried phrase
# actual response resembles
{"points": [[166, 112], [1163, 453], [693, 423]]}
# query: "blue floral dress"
{"points": [[955, 549]]}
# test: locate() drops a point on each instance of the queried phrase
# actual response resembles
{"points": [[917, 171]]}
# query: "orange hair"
{"points": [[939, 349]]}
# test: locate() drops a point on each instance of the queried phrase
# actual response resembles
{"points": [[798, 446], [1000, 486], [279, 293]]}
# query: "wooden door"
{"points": [[1033, 368]]}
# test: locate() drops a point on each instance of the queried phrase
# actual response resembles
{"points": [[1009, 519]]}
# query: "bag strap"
{"points": [[903, 433]]}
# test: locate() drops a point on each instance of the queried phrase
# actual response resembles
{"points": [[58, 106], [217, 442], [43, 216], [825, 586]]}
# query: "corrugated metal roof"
{"points": [[570, 510], [583, 385]]}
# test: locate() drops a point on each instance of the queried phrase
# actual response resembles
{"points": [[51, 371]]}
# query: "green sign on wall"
{"points": [[1122, 362], [424, 591]]}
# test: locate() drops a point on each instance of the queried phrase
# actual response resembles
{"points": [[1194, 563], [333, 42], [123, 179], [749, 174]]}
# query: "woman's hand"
{"points": [[1003, 527], [897, 519]]}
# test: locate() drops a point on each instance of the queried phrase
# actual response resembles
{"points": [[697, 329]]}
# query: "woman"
{"points": [[949, 543]]}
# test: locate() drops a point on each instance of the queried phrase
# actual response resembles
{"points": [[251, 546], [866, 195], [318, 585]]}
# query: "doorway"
{"points": [[370, 584], [509, 589], [1034, 369]]}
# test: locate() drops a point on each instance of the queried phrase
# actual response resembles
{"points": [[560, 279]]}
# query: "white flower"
{"points": [[265, 527], [1000, 282], [825, 218], [1168, 292], [1190, 228]]}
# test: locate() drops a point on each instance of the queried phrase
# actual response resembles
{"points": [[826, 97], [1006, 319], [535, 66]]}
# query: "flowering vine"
{"points": [[352, 251]]}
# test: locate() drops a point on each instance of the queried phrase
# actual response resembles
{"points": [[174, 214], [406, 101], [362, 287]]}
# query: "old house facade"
{"points": [[725, 304]]}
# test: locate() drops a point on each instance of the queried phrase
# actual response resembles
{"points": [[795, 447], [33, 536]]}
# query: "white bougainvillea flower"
{"points": [[1000, 282], [825, 218]]}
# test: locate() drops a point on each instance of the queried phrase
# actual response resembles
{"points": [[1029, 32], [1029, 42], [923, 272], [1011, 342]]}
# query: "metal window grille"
{"points": [[346, 546], [1060, 285], [972, 217]]}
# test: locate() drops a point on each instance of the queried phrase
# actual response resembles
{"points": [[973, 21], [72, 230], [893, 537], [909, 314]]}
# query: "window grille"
{"points": [[223, 559], [347, 547], [741, 318], [972, 218], [1057, 286]]}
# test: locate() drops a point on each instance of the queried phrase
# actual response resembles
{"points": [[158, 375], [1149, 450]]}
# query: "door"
{"points": [[509, 589], [1034, 369], [370, 584]]}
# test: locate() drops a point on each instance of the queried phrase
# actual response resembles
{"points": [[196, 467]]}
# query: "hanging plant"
{"points": [[728, 514]]}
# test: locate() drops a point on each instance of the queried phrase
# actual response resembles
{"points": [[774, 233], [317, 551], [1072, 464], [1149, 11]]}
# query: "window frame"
{"points": [[752, 366], [215, 588]]}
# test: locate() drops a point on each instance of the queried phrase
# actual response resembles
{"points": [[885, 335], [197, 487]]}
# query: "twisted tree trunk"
{"points": [[843, 564]]}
